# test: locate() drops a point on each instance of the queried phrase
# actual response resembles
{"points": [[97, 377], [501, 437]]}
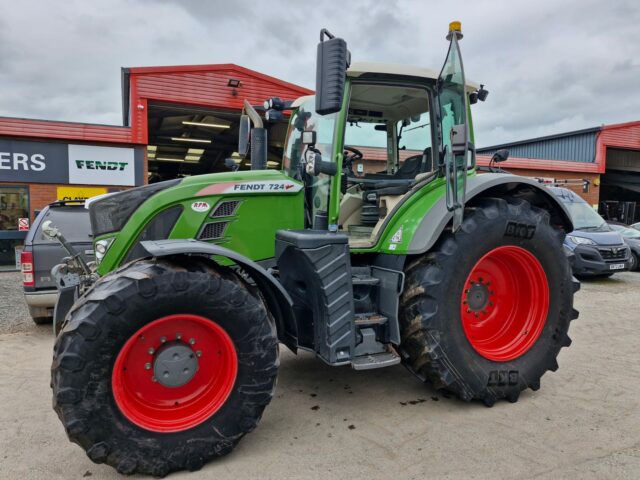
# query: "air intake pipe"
{"points": [[252, 141]]}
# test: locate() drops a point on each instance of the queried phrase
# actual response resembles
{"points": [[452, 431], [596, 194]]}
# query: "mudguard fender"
{"points": [[278, 300], [488, 184]]}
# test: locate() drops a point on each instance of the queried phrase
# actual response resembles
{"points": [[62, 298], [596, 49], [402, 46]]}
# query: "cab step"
{"points": [[367, 319], [376, 360], [362, 277]]}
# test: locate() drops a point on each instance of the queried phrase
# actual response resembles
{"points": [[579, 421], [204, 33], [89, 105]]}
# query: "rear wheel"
{"points": [[484, 315], [164, 365]]}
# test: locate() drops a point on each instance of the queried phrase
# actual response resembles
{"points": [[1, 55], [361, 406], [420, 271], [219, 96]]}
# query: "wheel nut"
{"points": [[199, 353], [147, 366], [192, 341], [163, 339], [154, 379], [178, 336], [151, 351]]}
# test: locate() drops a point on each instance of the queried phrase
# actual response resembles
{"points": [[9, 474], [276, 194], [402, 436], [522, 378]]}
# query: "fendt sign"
{"points": [[59, 163]]}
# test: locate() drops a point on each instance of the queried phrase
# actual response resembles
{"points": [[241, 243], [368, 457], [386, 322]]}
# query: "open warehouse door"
{"points": [[620, 188], [186, 140], [189, 115]]}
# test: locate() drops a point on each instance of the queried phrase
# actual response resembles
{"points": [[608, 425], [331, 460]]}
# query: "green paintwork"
{"points": [[338, 149], [407, 217], [251, 231]]}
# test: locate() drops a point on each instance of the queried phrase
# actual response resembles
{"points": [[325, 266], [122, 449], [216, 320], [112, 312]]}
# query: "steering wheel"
{"points": [[356, 154]]}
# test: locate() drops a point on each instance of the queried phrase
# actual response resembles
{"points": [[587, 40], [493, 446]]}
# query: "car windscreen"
{"points": [[626, 232], [584, 217], [72, 222]]}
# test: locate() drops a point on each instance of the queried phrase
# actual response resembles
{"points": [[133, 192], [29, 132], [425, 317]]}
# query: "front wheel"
{"points": [[163, 365], [484, 315]]}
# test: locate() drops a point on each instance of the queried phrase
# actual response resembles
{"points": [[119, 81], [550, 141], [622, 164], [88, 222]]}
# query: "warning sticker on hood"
{"points": [[257, 186]]}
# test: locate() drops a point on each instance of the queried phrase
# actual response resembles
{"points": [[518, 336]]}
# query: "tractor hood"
{"points": [[238, 210]]}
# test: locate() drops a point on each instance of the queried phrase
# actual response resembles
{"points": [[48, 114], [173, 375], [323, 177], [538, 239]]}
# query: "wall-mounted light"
{"points": [[233, 83]]}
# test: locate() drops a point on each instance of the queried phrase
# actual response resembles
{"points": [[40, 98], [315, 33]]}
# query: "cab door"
{"points": [[452, 100]]}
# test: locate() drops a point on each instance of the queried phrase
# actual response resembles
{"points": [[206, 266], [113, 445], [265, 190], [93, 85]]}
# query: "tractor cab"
{"points": [[390, 135]]}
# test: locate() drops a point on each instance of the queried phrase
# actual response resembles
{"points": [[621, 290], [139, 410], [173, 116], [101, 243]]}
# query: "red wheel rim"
{"points": [[505, 302], [151, 404]]}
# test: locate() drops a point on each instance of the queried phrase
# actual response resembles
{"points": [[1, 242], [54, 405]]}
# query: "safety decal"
{"points": [[257, 186], [397, 237]]}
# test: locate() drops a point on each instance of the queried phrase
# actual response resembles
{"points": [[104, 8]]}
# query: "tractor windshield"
{"points": [[305, 118]]}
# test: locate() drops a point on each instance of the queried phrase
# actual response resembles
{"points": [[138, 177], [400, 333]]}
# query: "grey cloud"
{"points": [[550, 66]]}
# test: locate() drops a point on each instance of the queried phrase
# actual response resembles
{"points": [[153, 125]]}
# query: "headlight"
{"points": [[101, 248], [580, 240]]}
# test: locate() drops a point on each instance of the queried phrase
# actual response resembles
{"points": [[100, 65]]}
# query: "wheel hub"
{"points": [[478, 296], [175, 365]]}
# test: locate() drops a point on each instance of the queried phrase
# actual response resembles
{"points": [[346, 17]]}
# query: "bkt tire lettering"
{"points": [[520, 230], [502, 378]]}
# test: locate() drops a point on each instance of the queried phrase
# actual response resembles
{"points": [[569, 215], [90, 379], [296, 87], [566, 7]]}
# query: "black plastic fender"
{"points": [[278, 300], [488, 184]]}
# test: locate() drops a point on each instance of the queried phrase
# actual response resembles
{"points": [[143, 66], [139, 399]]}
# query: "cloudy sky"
{"points": [[550, 65]]}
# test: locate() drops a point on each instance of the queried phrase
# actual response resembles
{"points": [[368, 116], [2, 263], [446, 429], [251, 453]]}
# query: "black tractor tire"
{"points": [[434, 344], [112, 313]]}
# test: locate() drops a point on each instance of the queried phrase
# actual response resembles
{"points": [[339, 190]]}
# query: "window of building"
{"points": [[14, 205]]}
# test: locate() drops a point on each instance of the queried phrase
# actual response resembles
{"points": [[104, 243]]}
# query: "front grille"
{"points": [[213, 231], [614, 253], [226, 209]]}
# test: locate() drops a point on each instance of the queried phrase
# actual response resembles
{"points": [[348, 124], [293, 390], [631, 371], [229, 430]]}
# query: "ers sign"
{"points": [[43, 162]]}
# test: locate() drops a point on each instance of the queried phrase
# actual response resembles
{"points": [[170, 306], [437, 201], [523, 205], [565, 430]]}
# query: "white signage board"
{"points": [[91, 165]]}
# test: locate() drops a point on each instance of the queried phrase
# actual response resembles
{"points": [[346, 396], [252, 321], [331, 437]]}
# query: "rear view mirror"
{"points": [[243, 136], [500, 156], [332, 62], [308, 137]]}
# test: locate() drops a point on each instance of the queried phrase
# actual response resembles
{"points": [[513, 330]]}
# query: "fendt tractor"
{"points": [[167, 353]]}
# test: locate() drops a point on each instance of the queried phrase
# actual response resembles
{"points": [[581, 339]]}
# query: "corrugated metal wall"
{"points": [[19, 127], [579, 147]]}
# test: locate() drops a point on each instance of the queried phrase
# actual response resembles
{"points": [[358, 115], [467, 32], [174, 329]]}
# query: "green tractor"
{"points": [[378, 243]]}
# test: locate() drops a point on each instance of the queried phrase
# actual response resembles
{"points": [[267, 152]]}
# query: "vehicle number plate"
{"points": [[616, 266]]}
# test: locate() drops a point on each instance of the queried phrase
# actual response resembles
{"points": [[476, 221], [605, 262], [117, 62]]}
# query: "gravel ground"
{"points": [[14, 314], [324, 422]]}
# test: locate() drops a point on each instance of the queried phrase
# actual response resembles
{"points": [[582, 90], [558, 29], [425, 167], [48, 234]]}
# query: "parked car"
{"points": [[599, 250], [631, 237], [40, 254]]}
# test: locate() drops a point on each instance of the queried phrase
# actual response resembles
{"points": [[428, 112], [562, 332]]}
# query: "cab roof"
{"points": [[361, 68]]}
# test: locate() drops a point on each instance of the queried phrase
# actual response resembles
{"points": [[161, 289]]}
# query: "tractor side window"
{"points": [[388, 131], [414, 139], [370, 138]]}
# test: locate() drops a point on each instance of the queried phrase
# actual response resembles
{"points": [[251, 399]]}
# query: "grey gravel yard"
{"points": [[337, 423]]}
